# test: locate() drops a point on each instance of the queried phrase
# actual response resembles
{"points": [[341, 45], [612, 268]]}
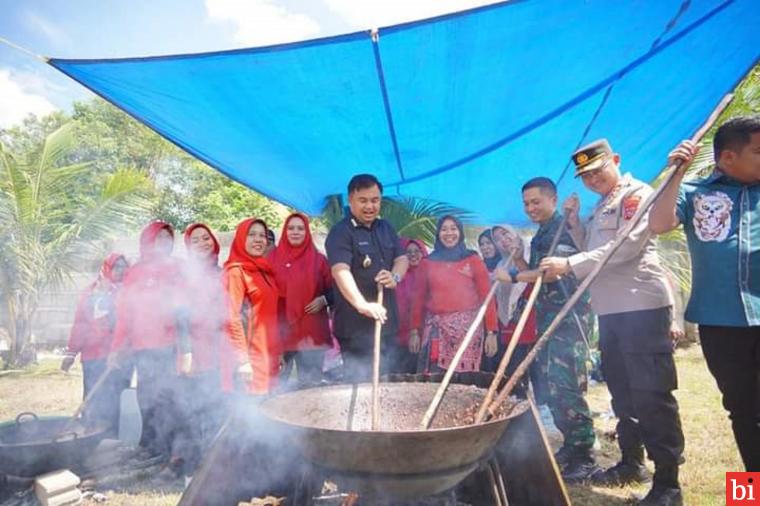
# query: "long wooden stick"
{"points": [[493, 387], [508, 354], [620, 238], [80, 409], [433, 407], [376, 365]]}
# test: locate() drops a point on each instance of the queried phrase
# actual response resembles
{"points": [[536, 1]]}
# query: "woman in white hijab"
{"points": [[511, 298], [510, 245]]}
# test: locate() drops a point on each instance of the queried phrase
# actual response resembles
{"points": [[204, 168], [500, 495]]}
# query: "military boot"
{"points": [[580, 467], [665, 488], [630, 469]]}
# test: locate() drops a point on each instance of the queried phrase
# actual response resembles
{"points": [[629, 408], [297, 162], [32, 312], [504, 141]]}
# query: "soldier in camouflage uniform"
{"points": [[563, 359]]}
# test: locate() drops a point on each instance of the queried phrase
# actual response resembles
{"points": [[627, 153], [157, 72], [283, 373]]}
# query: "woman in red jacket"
{"points": [[252, 294], [91, 336], [305, 283], [453, 285], [201, 403], [404, 361], [148, 311], [204, 303]]}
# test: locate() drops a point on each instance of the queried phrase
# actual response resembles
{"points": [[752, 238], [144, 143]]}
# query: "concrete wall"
{"points": [[55, 315]]}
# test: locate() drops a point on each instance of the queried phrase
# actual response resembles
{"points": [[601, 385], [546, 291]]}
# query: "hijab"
{"points": [[106, 270], [507, 295], [454, 254], [148, 240], [239, 257], [213, 259], [493, 261], [405, 289], [296, 269]]}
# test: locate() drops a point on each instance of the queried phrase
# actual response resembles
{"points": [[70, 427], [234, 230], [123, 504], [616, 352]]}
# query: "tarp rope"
{"points": [[10, 44]]}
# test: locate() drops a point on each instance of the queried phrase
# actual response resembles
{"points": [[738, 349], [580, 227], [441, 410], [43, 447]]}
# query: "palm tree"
{"points": [[49, 227], [411, 217]]}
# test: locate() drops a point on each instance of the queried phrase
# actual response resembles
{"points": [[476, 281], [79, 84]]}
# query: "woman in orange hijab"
{"points": [[305, 283], [254, 359]]}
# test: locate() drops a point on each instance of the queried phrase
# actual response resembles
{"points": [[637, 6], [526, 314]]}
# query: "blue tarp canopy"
{"points": [[462, 108]]}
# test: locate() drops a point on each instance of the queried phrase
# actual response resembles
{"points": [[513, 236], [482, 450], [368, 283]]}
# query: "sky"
{"points": [[125, 28]]}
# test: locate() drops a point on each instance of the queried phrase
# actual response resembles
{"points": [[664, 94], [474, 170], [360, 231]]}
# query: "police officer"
{"points": [[633, 300], [562, 362], [364, 251]]}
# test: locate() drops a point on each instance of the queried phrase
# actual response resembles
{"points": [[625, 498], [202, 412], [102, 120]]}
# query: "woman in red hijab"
{"points": [[404, 361], [91, 336], [201, 403], [205, 301], [305, 283], [148, 310], [248, 279]]}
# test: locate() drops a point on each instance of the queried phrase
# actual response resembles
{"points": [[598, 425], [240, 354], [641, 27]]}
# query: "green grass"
{"points": [[710, 448]]}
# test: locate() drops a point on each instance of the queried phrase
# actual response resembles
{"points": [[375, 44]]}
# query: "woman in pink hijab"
{"points": [[403, 360]]}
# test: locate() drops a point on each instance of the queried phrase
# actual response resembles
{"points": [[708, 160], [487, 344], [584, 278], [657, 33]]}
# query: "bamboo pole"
{"points": [[376, 365], [518, 331], [435, 403]]}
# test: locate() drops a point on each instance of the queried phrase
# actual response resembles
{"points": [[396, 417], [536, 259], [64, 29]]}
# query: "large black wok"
{"points": [[31, 445], [330, 426]]}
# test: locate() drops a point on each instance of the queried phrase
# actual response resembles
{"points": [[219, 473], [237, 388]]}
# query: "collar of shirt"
{"points": [[718, 175], [609, 199], [358, 224], [548, 225]]}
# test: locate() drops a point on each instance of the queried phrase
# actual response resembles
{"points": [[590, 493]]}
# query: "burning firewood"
{"points": [[351, 500], [264, 501]]}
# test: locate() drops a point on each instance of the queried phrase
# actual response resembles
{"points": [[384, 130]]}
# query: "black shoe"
{"points": [[661, 496], [580, 468], [563, 456], [622, 474]]}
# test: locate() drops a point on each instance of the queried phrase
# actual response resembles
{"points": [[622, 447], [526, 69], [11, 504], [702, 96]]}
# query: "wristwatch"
{"points": [[396, 277], [513, 272]]}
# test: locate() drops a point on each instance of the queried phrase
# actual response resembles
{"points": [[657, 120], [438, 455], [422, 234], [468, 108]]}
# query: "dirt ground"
{"points": [[710, 449]]}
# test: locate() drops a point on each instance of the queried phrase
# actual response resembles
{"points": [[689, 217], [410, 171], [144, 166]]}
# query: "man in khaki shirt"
{"points": [[633, 300]]}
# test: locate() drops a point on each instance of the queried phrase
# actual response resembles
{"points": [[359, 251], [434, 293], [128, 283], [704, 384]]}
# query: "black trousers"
{"points": [[401, 360], [156, 396], [733, 357], [103, 408], [308, 364], [637, 363], [357, 353], [201, 410], [534, 374]]}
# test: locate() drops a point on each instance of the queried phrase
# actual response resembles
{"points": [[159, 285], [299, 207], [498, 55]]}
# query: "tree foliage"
{"points": [[48, 228], [411, 217], [673, 248]]}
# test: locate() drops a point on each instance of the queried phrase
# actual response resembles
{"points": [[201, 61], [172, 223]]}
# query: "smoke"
{"points": [[222, 439]]}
